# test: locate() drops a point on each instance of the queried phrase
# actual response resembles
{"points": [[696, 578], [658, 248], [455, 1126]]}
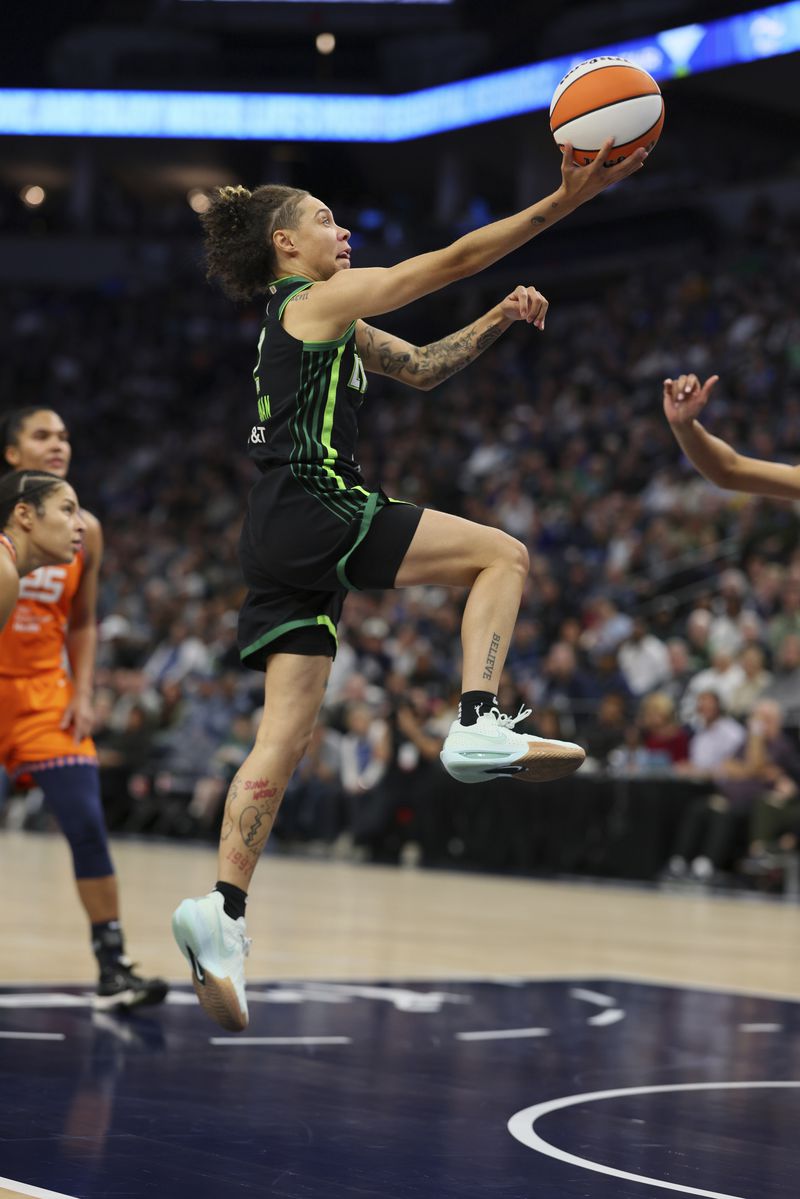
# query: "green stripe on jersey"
{"points": [[329, 345], [307, 451], [327, 424]]}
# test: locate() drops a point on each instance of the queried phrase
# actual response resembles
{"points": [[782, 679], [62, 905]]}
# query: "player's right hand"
{"points": [[685, 398], [579, 183]]}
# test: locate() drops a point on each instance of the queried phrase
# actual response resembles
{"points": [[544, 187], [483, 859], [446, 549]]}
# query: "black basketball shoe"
{"points": [[119, 987]]}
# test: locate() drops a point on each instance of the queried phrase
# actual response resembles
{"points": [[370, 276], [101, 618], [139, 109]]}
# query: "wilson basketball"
{"points": [[606, 97]]}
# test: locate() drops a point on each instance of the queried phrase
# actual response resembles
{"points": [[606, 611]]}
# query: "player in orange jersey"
{"points": [[40, 525], [48, 732]]}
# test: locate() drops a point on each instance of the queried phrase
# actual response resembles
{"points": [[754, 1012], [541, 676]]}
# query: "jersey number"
{"points": [[45, 584], [358, 379]]}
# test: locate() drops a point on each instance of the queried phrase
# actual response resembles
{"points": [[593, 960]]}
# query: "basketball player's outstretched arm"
{"points": [[364, 292], [424, 367], [684, 400]]}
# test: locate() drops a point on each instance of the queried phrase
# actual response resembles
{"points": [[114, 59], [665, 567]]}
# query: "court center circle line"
{"points": [[521, 1126]]}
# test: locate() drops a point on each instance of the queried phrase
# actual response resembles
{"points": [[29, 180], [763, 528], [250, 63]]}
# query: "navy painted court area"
{"points": [[515, 1089]]}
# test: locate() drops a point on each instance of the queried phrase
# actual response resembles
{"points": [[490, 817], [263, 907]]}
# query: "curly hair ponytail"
{"points": [[237, 232]]}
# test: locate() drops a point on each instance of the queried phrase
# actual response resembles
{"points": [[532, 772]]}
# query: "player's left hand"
{"points": [[79, 717], [525, 304]]}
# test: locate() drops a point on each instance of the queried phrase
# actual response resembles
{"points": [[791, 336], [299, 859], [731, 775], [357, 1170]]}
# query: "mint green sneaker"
{"points": [[490, 749], [215, 947]]}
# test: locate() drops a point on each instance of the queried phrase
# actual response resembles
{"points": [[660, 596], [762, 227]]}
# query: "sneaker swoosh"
{"points": [[197, 968]]}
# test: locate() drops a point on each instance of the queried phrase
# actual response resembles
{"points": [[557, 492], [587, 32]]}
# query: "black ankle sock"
{"points": [[108, 943], [235, 899], [474, 704]]}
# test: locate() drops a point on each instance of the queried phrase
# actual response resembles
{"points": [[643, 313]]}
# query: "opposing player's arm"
{"points": [[426, 366], [684, 400], [370, 291], [82, 631], [9, 587]]}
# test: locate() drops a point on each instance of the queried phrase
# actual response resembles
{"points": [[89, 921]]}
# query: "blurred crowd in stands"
{"points": [[661, 622]]}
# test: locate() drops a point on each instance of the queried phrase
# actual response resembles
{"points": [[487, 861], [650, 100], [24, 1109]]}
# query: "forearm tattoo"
{"points": [[429, 365]]}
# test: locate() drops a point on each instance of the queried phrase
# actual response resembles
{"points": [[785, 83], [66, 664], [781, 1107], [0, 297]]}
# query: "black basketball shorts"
{"points": [[301, 553]]}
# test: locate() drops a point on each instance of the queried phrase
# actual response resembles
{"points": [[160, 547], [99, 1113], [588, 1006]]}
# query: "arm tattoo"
{"points": [[538, 220], [429, 365]]}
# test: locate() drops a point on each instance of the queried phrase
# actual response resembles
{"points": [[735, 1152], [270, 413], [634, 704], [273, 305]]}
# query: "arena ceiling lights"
{"points": [[30, 112]]}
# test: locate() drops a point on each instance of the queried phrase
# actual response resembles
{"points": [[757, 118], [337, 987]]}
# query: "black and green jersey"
{"points": [[305, 536], [308, 396]]}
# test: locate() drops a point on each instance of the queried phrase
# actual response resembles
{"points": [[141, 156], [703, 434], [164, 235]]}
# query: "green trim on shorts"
{"points": [[367, 516], [309, 622]]}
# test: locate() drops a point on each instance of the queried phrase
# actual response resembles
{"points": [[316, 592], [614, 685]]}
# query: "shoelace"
{"points": [[508, 722]]}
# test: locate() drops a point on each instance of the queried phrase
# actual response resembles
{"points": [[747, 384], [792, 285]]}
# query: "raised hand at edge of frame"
{"points": [[580, 183], [525, 304], [685, 398]]}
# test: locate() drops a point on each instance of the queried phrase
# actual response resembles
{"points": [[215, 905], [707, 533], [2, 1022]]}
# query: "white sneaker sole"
{"points": [[543, 762], [216, 994]]}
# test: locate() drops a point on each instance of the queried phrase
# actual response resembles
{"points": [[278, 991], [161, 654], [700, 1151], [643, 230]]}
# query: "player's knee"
{"points": [[297, 745], [89, 845], [73, 794], [287, 745], [515, 554]]}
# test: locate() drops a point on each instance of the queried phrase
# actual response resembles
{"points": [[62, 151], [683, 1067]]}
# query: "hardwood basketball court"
{"points": [[413, 1033]]}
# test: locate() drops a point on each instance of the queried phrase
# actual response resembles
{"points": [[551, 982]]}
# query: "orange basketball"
{"points": [[606, 97]]}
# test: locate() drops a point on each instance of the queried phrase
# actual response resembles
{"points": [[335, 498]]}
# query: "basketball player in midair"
{"points": [[47, 710], [313, 530]]}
